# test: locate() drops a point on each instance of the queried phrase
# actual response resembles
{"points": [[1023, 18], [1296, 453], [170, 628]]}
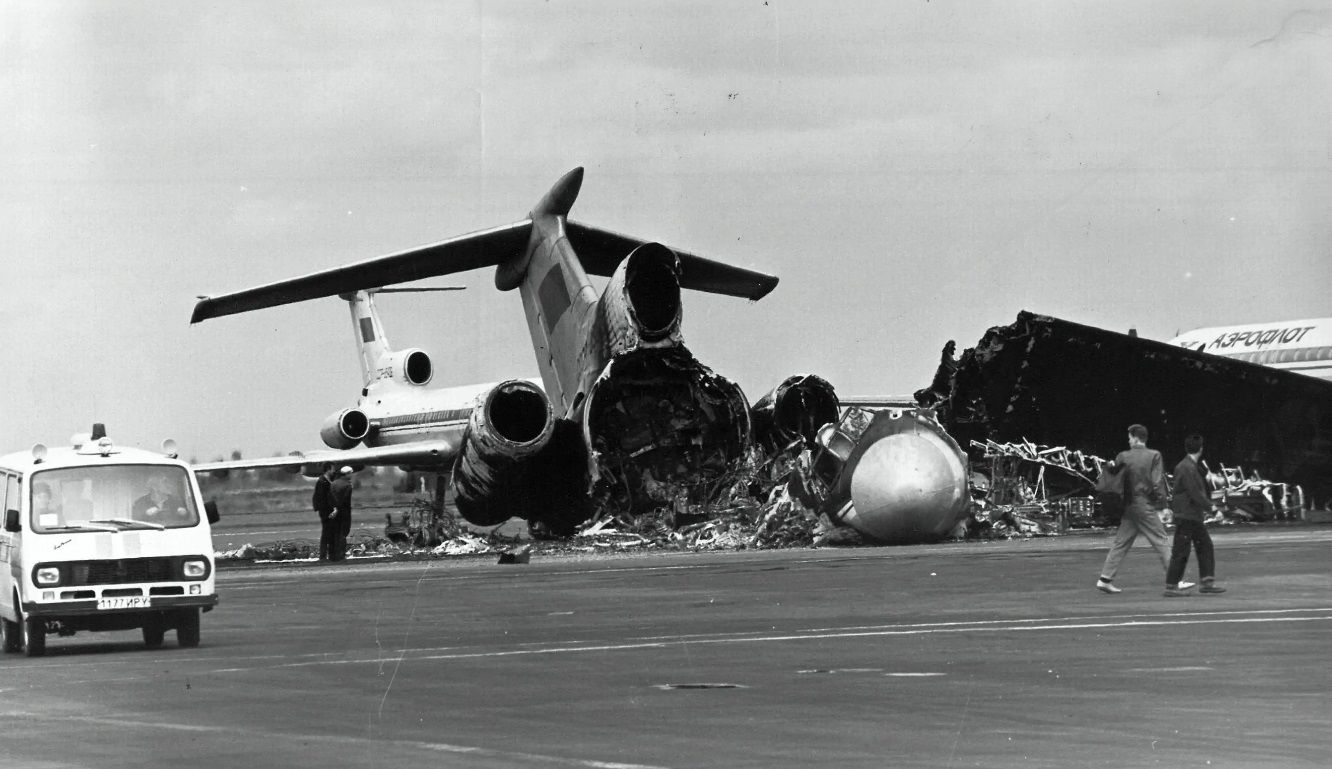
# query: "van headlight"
{"points": [[194, 568], [47, 576]]}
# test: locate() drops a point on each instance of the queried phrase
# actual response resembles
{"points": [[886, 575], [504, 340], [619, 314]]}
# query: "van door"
{"points": [[12, 497]]}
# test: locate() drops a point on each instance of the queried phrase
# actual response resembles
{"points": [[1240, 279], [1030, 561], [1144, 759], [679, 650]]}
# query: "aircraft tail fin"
{"points": [[600, 251], [368, 331]]}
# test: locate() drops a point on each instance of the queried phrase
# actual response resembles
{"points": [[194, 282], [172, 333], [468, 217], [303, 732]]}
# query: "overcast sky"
{"points": [[914, 172]]}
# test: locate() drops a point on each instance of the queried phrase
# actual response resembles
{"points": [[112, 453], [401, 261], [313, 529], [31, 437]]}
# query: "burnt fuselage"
{"points": [[1060, 383], [658, 425]]}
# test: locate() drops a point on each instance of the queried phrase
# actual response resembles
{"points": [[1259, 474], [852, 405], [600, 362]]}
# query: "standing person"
{"points": [[1191, 503], [1144, 495], [323, 505], [341, 491]]}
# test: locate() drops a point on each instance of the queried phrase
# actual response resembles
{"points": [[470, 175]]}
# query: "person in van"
{"points": [[159, 502], [44, 507]]}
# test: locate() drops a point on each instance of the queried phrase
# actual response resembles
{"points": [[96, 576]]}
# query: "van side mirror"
{"points": [[210, 508], [12, 521]]}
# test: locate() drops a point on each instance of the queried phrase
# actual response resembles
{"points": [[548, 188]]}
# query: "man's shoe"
{"points": [[1210, 588], [1106, 587], [1174, 592], [1183, 585]]}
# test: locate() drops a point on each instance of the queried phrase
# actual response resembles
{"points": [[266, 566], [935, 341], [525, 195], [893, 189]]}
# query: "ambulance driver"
{"points": [[159, 503]]}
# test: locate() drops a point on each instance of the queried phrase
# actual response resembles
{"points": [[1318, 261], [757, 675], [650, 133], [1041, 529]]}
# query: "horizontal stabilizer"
{"points": [[600, 251], [485, 248], [421, 454]]}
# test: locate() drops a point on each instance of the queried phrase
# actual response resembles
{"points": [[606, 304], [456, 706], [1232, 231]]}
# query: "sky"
{"points": [[914, 172]]}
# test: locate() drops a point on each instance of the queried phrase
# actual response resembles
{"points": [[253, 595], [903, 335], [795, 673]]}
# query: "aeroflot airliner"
{"points": [[1302, 346]]}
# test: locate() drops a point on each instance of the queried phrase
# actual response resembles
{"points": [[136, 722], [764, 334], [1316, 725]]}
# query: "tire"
{"points": [[13, 636], [153, 633], [36, 636], [187, 631]]}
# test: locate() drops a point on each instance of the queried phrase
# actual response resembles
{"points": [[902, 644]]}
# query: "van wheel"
{"points": [[13, 636], [153, 633], [36, 640], [187, 631]]}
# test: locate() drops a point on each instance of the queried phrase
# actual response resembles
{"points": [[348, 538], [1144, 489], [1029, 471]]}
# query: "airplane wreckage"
{"points": [[1053, 382], [628, 426], [627, 422]]}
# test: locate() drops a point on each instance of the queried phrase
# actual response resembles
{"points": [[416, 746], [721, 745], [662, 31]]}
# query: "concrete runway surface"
{"points": [[989, 654]]}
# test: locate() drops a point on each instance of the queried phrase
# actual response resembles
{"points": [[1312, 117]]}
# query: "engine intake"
{"points": [[641, 304], [345, 429], [517, 460], [412, 366], [794, 411]]}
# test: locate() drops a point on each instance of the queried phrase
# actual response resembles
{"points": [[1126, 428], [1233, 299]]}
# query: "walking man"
{"points": [[1191, 503], [1144, 495], [323, 506], [341, 491]]}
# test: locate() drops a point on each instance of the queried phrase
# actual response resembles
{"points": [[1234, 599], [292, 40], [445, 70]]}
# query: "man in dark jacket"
{"points": [[341, 491], [323, 505], [1144, 495], [1191, 503]]}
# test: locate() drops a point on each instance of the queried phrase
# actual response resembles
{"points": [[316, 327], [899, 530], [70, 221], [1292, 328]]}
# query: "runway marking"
{"points": [[262, 661], [325, 738], [914, 675], [942, 628]]}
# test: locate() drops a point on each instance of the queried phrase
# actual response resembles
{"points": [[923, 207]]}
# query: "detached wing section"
{"points": [[485, 248], [434, 454], [600, 251]]}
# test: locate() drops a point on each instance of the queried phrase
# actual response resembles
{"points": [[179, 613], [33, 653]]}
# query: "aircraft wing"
{"points": [[485, 248], [600, 251], [422, 454]]}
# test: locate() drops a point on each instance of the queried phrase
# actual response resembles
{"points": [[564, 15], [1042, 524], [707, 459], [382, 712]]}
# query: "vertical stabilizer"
{"points": [[368, 331]]}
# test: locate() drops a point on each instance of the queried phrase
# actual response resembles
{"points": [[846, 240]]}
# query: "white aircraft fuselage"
{"points": [[1300, 346]]}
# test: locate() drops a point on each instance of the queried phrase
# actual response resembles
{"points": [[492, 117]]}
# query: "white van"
{"points": [[100, 537]]}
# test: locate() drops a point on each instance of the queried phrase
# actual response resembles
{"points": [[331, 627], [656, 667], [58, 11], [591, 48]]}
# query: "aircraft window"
{"points": [[112, 498]]}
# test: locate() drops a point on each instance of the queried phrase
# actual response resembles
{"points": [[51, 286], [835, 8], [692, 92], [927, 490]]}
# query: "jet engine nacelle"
{"points": [[517, 460], [641, 305], [411, 366], [345, 429], [793, 412]]}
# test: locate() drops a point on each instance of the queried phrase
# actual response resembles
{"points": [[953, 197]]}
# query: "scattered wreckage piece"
{"points": [[1244, 498], [896, 477], [1063, 383], [520, 554], [662, 425], [1016, 489]]}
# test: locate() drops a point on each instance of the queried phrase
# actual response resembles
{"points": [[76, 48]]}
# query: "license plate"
{"points": [[125, 602]]}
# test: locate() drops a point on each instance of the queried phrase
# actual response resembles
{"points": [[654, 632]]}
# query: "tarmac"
{"points": [[993, 654]]}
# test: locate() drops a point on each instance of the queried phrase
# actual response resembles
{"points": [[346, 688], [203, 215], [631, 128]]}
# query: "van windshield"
{"points": [[112, 498]]}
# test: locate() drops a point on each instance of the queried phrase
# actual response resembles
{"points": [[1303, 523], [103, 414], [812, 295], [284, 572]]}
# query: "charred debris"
{"points": [[1032, 413], [1050, 382]]}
